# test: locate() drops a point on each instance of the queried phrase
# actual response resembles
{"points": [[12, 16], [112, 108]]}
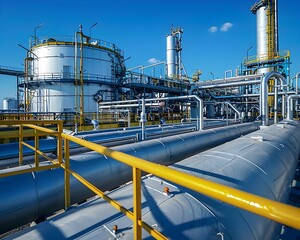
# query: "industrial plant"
{"points": [[91, 149]]}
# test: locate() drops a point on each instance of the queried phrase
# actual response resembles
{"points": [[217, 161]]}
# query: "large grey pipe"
{"points": [[264, 94], [262, 163], [28, 197]]}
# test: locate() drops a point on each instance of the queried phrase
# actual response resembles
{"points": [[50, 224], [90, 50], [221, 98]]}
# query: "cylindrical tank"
{"points": [[10, 104], [262, 36], [52, 86], [267, 30], [171, 56], [261, 31]]}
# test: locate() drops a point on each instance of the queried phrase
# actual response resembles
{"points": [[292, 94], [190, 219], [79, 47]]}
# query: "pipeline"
{"points": [[11, 150], [40, 194], [261, 163]]}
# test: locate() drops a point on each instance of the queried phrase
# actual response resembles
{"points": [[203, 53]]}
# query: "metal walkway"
{"points": [[11, 71]]}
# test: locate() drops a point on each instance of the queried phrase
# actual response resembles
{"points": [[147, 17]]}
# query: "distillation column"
{"points": [[267, 31], [174, 53]]}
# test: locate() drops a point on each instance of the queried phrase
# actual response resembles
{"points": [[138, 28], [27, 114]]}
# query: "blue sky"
{"points": [[139, 28]]}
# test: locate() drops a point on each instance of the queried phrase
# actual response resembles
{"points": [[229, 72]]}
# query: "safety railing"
{"points": [[57, 77], [265, 57], [38, 132], [67, 40], [282, 213]]}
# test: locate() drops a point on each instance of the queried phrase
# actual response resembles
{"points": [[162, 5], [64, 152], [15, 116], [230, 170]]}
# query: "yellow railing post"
{"points": [[36, 147], [59, 141], [20, 144], [67, 174], [137, 215]]}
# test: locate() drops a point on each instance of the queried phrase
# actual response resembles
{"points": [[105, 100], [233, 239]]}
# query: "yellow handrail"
{"points": [[37, 133]]}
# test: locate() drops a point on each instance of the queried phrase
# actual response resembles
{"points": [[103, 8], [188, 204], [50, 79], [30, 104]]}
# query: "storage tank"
{"points": [[171, 56], [10, 104], [174, 53], [266, 30], [61, 66]]}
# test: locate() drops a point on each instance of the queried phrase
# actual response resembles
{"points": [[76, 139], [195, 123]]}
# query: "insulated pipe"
{"points": [[36, 195], [11, 150], [283, 105], [230, 84], [249, 95], [262, 163], [264, 94], [143, 118], [290, 105], [276, 104], [232, 79], [127, 105]]}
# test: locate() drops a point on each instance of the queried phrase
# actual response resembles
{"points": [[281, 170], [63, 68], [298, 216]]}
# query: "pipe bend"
{"points": [[290, 105], [264, 94]]}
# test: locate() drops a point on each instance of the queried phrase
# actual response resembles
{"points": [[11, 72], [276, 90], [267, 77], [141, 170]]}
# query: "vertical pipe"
{"points": [[25, 83], [178, 44], [20, 145], [81, 82], [246, 99], [97, 111], [129, 118], [143, 120], [36, 147], [227, 122], [59, 141], [67, 174], [18, 94], [283, 106], [276, 104], [260, 102], [76, 83], [200, 112]]}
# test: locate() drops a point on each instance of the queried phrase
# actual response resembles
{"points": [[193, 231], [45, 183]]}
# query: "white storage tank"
{"points": [[55, 71], [10, 104]]}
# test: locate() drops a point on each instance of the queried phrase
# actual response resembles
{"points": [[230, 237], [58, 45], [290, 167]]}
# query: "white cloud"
{"points": [[226, 26], [153, 60], [213, 29]]}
